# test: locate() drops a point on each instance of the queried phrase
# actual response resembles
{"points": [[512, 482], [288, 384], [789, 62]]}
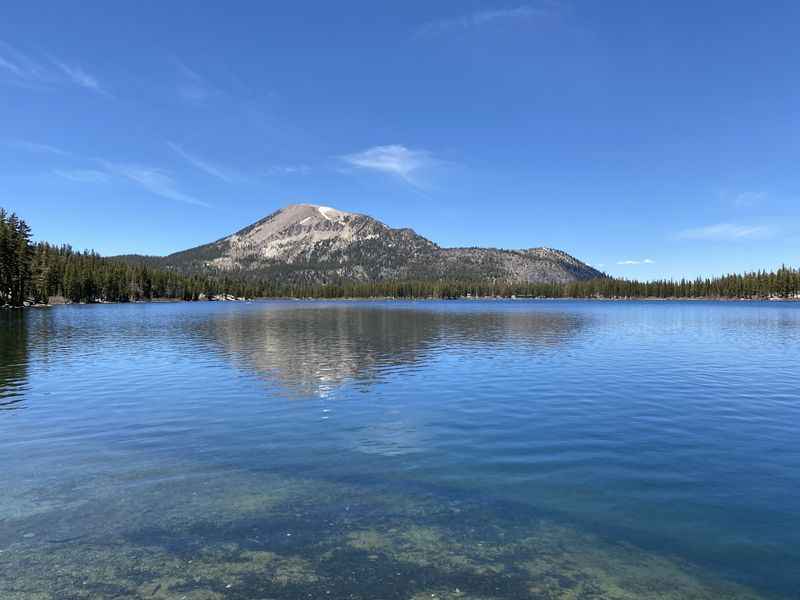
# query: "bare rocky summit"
{"points": [[306, 243]]}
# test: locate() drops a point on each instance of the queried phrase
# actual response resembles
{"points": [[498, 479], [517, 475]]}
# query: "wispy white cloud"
{"points": [[17, 67], [207, 167], [153, 180], [727, 232], [7, 65], [83, 175], [288, 170], [644, 261], [486, 17], [79, 77], [191, 85], [393, 159], [20, 69], [37, 148]]}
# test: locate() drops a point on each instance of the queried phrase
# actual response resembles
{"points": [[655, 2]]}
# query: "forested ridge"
{"points": [[38, 272]]}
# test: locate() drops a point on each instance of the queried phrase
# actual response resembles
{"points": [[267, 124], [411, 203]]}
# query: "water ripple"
{"points": [[672, 425]]}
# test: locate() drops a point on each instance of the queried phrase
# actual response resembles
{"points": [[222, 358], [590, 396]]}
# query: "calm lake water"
{"points": [[387, 450]]}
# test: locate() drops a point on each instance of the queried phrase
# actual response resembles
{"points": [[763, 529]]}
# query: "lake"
{"points": [[401, 450]]}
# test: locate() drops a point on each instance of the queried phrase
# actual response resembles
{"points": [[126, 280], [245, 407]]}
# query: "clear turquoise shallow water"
{"points": [[542, 449]]}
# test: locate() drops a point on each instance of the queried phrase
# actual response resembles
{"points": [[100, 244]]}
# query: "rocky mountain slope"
{"points": [[305, 243]]}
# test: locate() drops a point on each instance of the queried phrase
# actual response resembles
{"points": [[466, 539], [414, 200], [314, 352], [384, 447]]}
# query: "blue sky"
{"points": [[651, 139]]}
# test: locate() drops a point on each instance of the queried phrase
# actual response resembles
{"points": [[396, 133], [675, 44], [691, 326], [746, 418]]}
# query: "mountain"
{"points": [[306, 243]]}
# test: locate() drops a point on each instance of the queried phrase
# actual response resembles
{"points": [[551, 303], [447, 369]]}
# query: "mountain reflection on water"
{"points": [[313, 348]]}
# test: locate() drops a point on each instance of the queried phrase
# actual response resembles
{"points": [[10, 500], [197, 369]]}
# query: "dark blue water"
{"points": [[543, 449]]}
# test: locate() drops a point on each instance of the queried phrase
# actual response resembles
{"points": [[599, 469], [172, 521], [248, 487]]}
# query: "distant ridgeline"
{"points": [[37, 273]]}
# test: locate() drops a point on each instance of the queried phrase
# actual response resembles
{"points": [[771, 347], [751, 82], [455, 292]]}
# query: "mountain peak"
{"points": [[308, 211], [291, 217], [323, 210], [314, 243]]}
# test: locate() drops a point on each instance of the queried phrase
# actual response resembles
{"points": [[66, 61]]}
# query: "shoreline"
{"points": [[419, 299]]}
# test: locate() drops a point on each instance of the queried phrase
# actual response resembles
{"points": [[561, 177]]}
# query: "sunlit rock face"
{"points": [[307, 243]]}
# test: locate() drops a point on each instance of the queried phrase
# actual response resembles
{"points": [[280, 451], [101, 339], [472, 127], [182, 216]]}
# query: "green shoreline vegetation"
{"points": [[38, 273]]}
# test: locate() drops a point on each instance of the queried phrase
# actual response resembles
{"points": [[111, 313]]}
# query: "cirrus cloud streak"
{"points": [[82, 175], [206, 166], [727, 232], [486, 17], [153, 180], [20, 69]]}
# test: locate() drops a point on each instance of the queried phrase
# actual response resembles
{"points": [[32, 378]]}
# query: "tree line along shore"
{"points": [[39, 273]]}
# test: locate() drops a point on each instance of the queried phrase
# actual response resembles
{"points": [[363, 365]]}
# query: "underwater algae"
{"points": [[121, 571], [240, 536], [545, 560]]}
